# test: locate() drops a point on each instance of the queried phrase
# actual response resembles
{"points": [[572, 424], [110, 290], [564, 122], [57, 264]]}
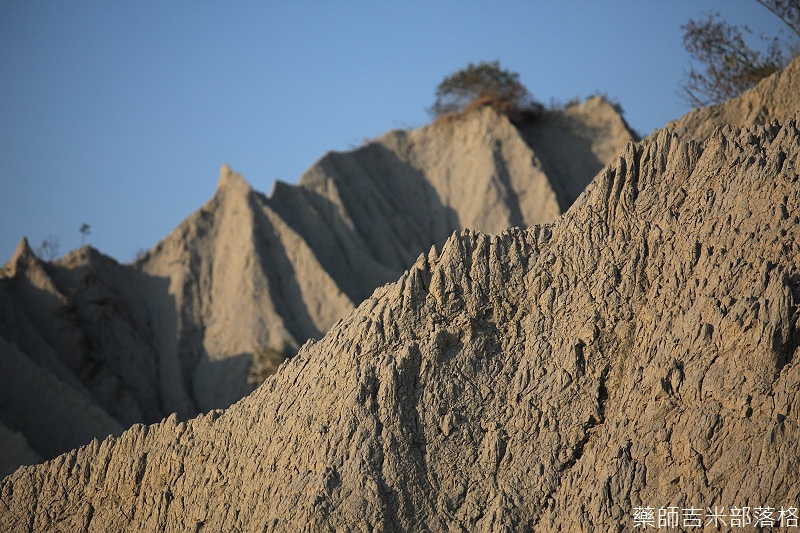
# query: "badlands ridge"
{"points": [[639, 348]]}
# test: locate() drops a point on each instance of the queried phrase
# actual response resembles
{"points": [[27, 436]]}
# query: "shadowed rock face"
{"points": [[97, 346], [642, 350]]}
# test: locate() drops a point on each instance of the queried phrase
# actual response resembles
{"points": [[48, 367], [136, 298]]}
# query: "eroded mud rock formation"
{"points": [[641, 350], [90, 346]]}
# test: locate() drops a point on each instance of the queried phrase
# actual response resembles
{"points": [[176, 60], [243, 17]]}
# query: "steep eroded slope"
{"points": [[641, 350]]}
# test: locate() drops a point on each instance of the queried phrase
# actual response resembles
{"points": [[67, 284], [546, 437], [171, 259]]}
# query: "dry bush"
{"points": [[484, 84]]}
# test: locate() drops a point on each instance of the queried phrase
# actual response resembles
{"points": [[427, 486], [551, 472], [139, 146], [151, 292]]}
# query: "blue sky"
{"points": [[119, 113]]}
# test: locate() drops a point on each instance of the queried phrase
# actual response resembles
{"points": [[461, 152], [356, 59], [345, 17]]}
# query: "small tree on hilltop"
{"points": [[485, 84], [85, 230], [49, 249]]}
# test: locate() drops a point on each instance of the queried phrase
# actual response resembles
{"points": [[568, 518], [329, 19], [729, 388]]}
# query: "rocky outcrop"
{"points": [[110, 345], [45, 406], [249, 272], [232, 278], [641, 351], [382, 205]]}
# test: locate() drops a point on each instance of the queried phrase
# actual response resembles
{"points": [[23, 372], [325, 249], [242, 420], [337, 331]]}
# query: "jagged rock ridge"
{"points": [[103, 345], [641, 350]]}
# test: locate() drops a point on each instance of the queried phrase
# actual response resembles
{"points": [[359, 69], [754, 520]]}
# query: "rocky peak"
{"points": [[23, 254], [231, 181], [642, 350]]}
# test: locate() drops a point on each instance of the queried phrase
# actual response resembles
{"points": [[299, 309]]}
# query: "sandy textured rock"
{"points": [[641, 350], [396, 196], [248, 271], [42, 397], [237, 277], [249, 274]]}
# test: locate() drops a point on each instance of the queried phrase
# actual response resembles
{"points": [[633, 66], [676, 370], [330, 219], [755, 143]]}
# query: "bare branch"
{"points": [[786, 10], [730, 65]]}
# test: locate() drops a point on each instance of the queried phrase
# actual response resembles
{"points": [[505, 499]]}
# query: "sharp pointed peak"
{"points": [[23, 252], [230, 180], [23, 248], [22, 255]]}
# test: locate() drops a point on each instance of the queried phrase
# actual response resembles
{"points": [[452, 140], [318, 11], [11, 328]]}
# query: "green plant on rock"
{"points": [[485, 84]]}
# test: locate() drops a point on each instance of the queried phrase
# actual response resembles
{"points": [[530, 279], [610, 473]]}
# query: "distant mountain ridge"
{"points": [[247, 273]]}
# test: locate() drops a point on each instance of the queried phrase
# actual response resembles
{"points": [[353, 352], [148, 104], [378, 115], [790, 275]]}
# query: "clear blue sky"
{"points": [[119, 113]]}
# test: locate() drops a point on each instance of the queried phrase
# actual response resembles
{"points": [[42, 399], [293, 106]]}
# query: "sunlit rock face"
{"points": [[91, 346], [641, 351]]}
